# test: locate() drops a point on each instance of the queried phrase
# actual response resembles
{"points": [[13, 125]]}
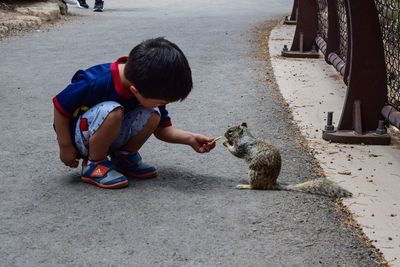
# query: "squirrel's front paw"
{"points": [[228, 144]]}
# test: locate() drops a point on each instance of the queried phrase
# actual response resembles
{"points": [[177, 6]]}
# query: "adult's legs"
{"points": [[98, 6]]}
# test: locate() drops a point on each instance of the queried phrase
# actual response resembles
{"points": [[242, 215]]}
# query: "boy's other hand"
{"points": [[69, 155], [202, 143]]}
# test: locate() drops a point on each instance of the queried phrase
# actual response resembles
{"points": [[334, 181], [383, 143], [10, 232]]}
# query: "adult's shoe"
{"points": [[98, 6], [82, 4]]}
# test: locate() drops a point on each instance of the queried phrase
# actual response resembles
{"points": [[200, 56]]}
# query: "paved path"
{"points": [[190, 215]]}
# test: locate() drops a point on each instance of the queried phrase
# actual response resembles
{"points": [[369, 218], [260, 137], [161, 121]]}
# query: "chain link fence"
{"points": [[389, 18]]}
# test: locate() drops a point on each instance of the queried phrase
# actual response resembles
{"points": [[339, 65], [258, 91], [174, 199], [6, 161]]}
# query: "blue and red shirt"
{"points": [[95, 85]]}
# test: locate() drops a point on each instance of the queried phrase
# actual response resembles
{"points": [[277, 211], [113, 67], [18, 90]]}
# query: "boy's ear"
{"points": [[133, 89]]}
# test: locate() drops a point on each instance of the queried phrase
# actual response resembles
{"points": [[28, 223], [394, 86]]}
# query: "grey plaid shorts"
{"points": [[134, 121]]}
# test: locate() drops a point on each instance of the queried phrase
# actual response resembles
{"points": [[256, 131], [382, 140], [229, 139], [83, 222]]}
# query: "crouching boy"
{"points": [[108, 111]]}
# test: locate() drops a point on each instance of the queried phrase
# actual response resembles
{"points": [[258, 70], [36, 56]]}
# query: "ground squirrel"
{"points": [[264, 164]]}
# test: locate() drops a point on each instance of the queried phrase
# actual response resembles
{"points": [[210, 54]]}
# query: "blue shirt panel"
{"points": [[95, 85]]}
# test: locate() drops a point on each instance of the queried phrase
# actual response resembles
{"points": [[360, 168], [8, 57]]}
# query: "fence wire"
{"points": [[342, 25], [323, 19], [389, 17]]}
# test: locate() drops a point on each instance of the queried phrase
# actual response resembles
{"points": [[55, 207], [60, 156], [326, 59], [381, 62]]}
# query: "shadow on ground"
{"points": [[181, 180]]}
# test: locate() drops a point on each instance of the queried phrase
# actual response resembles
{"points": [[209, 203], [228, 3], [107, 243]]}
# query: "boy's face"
{"points": [[147, 102]]}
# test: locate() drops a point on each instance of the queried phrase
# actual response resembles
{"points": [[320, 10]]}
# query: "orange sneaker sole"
{"points": [[143, 176], [111, 186]]}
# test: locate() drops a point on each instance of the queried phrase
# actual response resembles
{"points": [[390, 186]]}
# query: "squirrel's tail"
{"points": [[321, 186]]}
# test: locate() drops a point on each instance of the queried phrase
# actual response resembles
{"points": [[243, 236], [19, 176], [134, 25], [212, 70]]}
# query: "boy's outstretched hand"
{"points": [[202, 144]]}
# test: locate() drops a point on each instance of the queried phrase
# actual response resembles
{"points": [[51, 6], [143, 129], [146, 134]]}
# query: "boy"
{"points": [[109, 110]]}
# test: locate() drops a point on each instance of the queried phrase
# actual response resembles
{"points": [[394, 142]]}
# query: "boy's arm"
{"points": [[68, 152], [200, 143]]}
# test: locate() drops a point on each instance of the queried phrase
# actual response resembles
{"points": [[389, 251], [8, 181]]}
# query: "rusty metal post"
{"points": [[367, 85], [306, 31], [292, 19]]}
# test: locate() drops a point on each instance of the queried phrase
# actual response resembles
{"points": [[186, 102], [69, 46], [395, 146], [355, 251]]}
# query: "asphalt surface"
{"points": [[190, 215]]}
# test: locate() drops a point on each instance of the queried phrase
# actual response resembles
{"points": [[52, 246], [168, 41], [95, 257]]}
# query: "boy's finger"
{"points": [[208, 147], [74, 164]]}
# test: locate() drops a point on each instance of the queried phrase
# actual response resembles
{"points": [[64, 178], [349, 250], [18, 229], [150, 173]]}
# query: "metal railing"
{"points": [[361, 39]]}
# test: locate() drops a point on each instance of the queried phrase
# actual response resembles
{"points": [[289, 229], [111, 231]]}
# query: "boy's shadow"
{"points": [[185, 180], [178, 179]]}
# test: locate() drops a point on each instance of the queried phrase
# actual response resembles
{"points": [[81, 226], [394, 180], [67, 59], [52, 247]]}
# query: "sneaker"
{"points": [[98, 6], [132, 165], [103, 175], [82, 4]]}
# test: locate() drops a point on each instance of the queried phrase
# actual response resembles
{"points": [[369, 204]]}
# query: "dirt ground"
{"points": [[22, 16]]}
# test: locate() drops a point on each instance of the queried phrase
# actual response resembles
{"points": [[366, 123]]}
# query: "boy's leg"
{"points": [[137, 127], [96, 129], [108, 131], [137, 141]]}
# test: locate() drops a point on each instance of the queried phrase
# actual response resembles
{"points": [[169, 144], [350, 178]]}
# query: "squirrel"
{"points": [[264, 165]]}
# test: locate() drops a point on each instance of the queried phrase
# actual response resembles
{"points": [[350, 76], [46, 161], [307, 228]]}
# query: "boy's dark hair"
{"points": [[159, 69]]}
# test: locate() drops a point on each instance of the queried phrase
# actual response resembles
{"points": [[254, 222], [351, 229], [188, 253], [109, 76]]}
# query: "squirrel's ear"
{"points": [[244, 124]]}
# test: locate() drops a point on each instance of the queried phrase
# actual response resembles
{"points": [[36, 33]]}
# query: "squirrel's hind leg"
{"points": [[243, 186]]}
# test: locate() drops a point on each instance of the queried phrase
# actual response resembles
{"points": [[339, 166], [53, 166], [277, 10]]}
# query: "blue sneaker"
{"points": [[132, 165], [103, 175]]}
